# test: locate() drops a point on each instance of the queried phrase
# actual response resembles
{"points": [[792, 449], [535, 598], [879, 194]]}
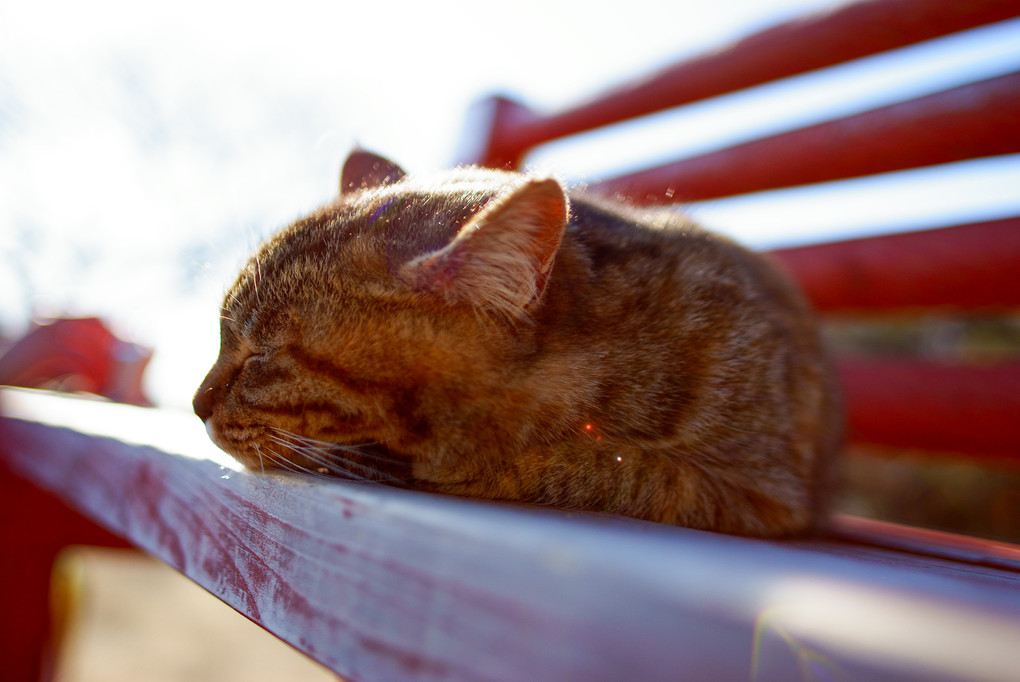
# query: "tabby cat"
{"points": [[486, 334]]}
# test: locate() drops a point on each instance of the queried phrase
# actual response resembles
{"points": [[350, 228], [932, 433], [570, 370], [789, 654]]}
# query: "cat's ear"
{"points": [[364, 170], [501, 259]]}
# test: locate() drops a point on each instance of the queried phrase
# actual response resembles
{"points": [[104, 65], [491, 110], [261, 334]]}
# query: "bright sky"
{"points": [[146, 148]]}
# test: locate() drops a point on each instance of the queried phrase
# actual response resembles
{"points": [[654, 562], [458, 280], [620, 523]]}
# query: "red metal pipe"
{"points": [[825, 38], [34, 527], [967, 266], [971, 121], [943, 408]]}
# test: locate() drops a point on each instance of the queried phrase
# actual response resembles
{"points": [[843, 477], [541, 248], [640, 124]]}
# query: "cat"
{"points": [[489, 334]]}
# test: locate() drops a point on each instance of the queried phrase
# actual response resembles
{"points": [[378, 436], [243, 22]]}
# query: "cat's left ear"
{"points": [[501, 259], [364, 170]]}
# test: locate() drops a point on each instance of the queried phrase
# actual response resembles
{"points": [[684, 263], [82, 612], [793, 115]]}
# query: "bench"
{"points": [[383, 584]]}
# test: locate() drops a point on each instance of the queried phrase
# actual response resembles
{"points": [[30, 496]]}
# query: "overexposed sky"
{"points": [[146, 148]]}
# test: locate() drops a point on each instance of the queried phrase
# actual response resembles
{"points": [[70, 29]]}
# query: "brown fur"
{"points": [[482, 334]]}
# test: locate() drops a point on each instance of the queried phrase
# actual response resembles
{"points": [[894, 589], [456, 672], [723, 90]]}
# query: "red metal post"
{"points": [[34, 528], [828, 37], [972, 121]]}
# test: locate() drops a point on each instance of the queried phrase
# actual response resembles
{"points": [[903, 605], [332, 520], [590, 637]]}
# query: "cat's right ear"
{"points": [[501, 259], [365, 170]]}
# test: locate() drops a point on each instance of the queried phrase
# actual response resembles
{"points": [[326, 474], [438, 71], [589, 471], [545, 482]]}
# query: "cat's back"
{"points": [[696, 335], [658, 263]]}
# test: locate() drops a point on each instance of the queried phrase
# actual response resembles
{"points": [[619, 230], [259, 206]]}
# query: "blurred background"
{"points": [[146, 149]]}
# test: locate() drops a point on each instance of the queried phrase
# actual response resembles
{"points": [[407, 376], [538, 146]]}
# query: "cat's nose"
{"points": [[203, 402]]}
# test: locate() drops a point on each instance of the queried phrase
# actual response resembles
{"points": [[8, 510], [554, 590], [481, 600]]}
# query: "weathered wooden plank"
{"points": [[925, 542], [830, 36], [382, 584]]}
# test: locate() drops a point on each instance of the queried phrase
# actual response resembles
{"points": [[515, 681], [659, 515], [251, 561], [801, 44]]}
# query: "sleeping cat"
{"points": [[486, 334]]}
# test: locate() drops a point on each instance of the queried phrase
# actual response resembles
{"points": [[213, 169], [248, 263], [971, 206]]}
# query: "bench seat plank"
{"points": [[385, 584]]}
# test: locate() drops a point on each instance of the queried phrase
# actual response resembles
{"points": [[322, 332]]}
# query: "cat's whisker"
{"points": [[277, 459], [329, 460], [258, 451], [333, 466], [312, 451], [287, 464], [359, 449], [283, 463]]}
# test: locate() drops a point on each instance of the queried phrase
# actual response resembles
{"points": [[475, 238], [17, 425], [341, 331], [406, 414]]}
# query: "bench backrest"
{"points": [[968, 269]]}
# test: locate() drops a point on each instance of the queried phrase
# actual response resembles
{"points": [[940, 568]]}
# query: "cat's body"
{"points": [[480, 334]]}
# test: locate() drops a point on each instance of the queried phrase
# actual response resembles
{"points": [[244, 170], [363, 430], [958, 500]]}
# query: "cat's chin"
{"points": [[211, 431], [248, 446], [216, 436]]}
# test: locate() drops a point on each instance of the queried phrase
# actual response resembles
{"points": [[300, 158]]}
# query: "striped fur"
{"points": [[485, 334]]}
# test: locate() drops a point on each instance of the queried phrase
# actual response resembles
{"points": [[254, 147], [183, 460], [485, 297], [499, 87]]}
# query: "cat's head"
{"points": [[380, 324]]}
